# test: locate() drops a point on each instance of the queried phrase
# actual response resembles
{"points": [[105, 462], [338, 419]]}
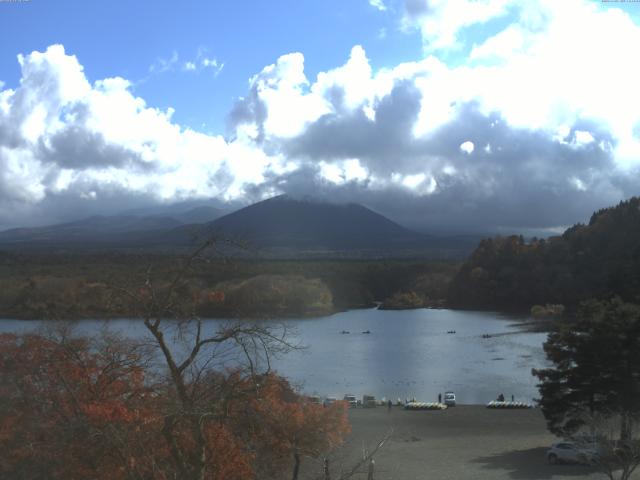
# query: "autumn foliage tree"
{"points": [[292, 428], [73, 409], [188, 401]]}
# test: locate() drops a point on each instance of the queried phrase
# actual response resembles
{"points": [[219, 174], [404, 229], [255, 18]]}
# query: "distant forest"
{"points": [[81, 286], [597, 260]]}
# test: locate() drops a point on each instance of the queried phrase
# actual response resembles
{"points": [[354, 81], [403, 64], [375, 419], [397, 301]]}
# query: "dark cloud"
{"points": [[378, 143], [514, 180], [247, 110], [77, 148], [416, 8]]}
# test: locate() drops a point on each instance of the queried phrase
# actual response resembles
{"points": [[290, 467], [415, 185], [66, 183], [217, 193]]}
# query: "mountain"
{"points": [[597, 260], [96, 231], [278, 227], [201, 214], [285, 223], [183, 212]]}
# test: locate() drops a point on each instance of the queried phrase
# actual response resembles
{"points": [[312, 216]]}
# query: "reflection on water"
{"points": [[407, 354]]}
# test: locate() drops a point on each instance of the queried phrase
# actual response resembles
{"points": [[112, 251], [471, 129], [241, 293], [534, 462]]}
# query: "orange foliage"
{"points": [[286, 424], [73, 410], [229, 460], [67, 411], [216, 296]]}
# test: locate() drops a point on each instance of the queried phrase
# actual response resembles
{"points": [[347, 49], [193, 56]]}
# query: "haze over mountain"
{"points": [[290, 227], [129, 229], [282, 224], [184, 212], [283, 221]]}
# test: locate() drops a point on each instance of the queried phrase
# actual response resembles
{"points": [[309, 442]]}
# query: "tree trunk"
{"points": [[296, 465], [625, 428], [202, 454]]}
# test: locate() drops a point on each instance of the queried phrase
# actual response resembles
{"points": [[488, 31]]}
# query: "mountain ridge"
{"points": [[280, 226]]}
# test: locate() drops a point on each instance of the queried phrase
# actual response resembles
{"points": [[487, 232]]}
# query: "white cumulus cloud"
{"points": [[539, 114], [61, 134], [378, 5], [440, 21], [467, 147]]}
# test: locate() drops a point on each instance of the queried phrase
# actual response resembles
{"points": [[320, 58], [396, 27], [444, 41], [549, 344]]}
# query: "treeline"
{"points": [[77, 286], [597, 260]]}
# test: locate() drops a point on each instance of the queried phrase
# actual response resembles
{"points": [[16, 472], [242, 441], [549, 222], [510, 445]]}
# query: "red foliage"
{"points": [[216, 296], [70, 409], [285, 424]]}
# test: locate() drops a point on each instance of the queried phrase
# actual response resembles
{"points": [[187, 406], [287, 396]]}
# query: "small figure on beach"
{"points": [[389, 403], [500, 397], [439, 398]]}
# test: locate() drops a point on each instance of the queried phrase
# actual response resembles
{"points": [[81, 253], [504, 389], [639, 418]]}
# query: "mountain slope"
{"points": [[283, 222], [279, 227], [93, 231]]}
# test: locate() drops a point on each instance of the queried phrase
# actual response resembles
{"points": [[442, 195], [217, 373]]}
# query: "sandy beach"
{"points": [[464, 442]]}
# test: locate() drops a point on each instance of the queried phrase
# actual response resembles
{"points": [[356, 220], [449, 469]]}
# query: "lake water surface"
{"points": [[407, 354]]}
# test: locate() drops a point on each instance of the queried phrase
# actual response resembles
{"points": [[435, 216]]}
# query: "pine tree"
{"points": [[596, 367]]}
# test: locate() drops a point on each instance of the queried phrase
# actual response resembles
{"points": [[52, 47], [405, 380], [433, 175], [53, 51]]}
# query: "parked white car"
{"points": [[330, 401], [450, 399], [569, 452], [351, 400]]}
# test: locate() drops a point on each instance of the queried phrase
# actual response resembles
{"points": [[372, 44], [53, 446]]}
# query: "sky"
{"points": [[459, 116]]}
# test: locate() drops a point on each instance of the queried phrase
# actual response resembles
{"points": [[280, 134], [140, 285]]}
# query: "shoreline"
{"points": [[530, 322]]}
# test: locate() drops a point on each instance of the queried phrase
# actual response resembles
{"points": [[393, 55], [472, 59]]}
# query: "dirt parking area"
{"points": [[464, 442]]}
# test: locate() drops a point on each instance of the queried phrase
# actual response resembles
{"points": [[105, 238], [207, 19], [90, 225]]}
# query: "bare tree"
{"points": [[190, 352], [360, 468], [611, 442]]}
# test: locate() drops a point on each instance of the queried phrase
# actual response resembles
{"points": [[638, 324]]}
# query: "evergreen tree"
{"points": [[596, 368]]}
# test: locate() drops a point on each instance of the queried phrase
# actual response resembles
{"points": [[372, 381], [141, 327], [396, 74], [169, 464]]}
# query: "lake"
{"points": [[407, 354]]}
